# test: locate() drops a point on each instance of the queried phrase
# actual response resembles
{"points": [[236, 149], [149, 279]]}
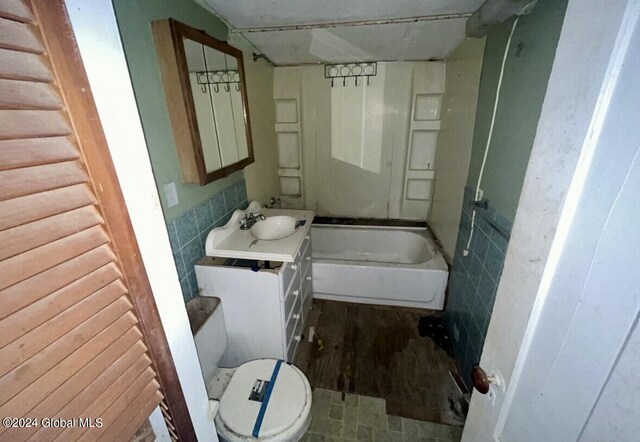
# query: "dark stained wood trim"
{"points": [[178, 32], [75, 90], [187, 98]]}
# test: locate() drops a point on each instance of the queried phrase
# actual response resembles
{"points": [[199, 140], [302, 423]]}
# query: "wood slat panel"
{"points": [[41, 205], [14, 270], [27, 319], [22, 95], [18, 36], [100, 407], [74, 86], [145, 386], [128, 366], [29, 180], [31, 290], [69, 332], [15, 10], [19, 65], [23, 375], [29, 236], [37, 339], [32, 124], [85, 356], [129, 423], [139, 420], [36, 151]]}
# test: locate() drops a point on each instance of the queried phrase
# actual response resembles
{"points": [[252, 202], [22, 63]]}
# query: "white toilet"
{"points": [[261, 400]]}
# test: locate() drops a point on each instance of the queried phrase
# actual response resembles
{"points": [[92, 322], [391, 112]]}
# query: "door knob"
{"points": [[482, 381]]}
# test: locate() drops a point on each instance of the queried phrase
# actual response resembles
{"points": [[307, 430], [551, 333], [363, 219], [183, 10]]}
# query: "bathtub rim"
{"points": [[437, 256]]}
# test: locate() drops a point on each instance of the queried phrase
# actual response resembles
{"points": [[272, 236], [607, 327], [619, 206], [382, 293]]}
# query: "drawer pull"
{"points": [[309, 278], [298, 338], [294, 266], [308, 258], [296, 316], [296, 292]]}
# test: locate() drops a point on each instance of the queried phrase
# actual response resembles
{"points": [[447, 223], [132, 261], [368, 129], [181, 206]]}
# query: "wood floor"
{"points": [[377, 351]]}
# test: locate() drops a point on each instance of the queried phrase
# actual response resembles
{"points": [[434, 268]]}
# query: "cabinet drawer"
{"points": [[295, 340], [293, 316], [290, 270], [307, 282], [288, 304], [304, 247], [305, 260], [295, 291], [292, 323], [291, 352]]}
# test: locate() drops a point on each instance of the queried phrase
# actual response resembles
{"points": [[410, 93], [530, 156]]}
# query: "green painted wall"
{"points": [[524, 85], [134, 20]]}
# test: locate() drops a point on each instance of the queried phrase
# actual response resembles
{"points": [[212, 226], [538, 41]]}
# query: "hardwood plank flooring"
{"points": [[376, 351]]}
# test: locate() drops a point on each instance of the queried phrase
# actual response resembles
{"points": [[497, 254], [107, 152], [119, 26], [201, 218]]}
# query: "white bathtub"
{"points": [[378, 265]]}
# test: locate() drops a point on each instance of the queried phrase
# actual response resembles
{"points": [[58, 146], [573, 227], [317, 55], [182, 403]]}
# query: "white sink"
{"points": [[274, 227], [280, 237]]}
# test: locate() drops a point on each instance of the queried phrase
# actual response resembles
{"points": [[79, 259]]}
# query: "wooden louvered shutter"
{"points": [[80, 335]]}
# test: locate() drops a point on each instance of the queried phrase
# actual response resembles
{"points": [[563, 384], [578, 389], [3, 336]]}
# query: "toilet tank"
{"points": [[211, 340]]}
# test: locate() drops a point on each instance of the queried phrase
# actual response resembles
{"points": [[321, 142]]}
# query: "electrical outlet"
{"points": [[171, 193]]}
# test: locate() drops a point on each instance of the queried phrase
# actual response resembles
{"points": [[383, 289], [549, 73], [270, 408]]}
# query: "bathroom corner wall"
{"points": [[134, 22], [188, 232], [200, 208], [475, 277], [524, 86], [473, 282], [261, 176], [454, 141]]}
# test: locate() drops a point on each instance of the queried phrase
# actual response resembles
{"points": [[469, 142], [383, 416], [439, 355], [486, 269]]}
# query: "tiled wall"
{"points": [[188, 232], [473, 282]]}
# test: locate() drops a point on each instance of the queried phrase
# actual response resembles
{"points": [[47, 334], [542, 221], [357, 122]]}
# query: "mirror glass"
{"points": [[216, 87]]}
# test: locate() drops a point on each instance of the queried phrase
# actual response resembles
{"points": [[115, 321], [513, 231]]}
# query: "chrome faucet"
{"points": [[250, 219]]}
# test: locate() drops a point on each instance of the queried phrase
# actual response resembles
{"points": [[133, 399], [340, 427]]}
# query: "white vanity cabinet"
{"points": [[264, 311]]}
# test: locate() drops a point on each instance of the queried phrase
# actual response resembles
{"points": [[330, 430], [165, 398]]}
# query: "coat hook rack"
{"points": [[217, 78], [350, 70]]}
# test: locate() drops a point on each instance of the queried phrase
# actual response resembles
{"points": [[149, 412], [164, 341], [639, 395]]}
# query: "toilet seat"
{"points": [[285, 404]]}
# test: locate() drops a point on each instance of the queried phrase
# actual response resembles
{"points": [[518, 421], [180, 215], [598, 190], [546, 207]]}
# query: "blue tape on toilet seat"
{"points": [[265, 401]]}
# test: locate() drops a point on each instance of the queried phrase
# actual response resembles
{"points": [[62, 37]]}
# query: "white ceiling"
{"points": [[411, 40]]}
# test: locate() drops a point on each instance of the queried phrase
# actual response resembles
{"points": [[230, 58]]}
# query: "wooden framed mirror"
{"points": [[206, 94]]}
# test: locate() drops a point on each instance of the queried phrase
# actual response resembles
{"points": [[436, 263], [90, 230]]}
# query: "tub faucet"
{"points": [[250, 219]]}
